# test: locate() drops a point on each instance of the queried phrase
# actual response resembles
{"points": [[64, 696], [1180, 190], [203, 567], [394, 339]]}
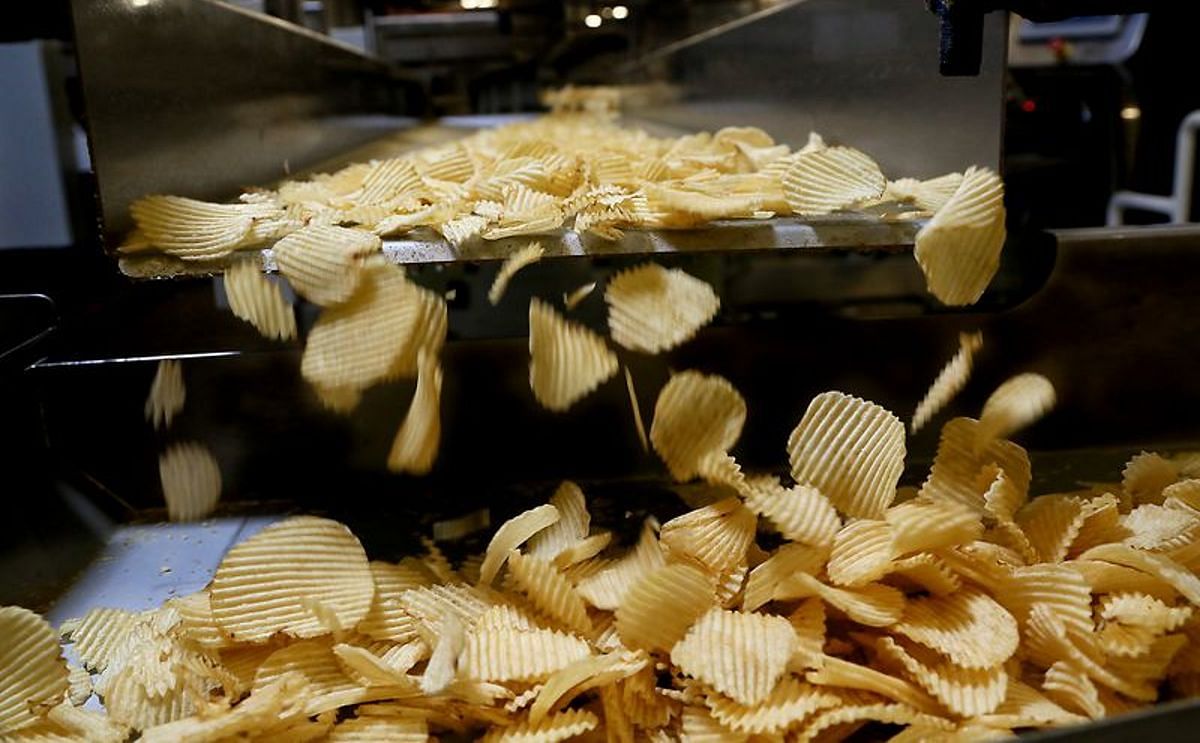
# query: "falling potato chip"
{"points": [[518, 655], [949, 381], [33, 675], [550, 591], [715, 537], [191, 481], [567, 361], [658, 609], [1016, 403], [416, 444], [572, 526], [696, 415], [257, 300], [528, 255], [860, 477], [324, 264], [969, 627], [572, 299], [832, 178], [873, 605], [259, 587], [511, 535], [800, 513], [167, 394], [862, 553], [638, 424], [963, 691], [1146, 476], [741, 655], [959, 463], [562, 726], [958, 250], [198, 230], [654, 309]]}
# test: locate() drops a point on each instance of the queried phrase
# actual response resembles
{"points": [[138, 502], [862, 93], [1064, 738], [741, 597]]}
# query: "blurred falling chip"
{"points": [[653, 309], [528, 255], [324, 263], [832, 178], [567, 361], [257, 300], [571, 300], [33, 675], [949, 381], [958, 250], [1015, 404], [660, 606], [167, 394], [696, 415], [416, 444], [191, 481]]}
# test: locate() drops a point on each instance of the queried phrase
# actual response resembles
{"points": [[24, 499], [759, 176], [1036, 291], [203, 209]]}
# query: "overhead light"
{"points": [[592, 20], [1131, 113], [620, 12]]}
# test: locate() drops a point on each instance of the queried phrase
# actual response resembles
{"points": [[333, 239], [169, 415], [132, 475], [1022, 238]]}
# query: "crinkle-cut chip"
{"points": [[432, 605], [242, 662], [835, 672], [507, 654], [728, 586], [567, 361], [1145, 477], [1015, 404], [528, 255], [191, 481], [695, 415], [800, 513], [786, 561], [511, 535], [963, 691], [562, 726], [1142, 610], [401, 658], [442, 668], [129, 702], [1183, 495], [394, 578], [98, 635], [741, 655], [260, 585], [196, 620], [645, 707], [387, 620], [550, 591], [33, 675], [958, 250], [1161, 566], [1024, 706], [697, 725], [1003, 496], [65, 723], [1150, 666], [949, 381], [969, 627], [259, 711], [926, 523], [328, 686], [930, 195], [788, 703], [658, 609], [808, 621], [1070, 686], [617, 725], [1159, 529], [368, 669], [1124, 641], [654, 309], [582, 675], [324, 263], [1049, 638], [1057, 587], [572, 526], [583, 550], [388, 180], [372, 728], [79, 685], [257, 300], [1101, 524], [429, 332], [925, 571], [167, 394], [1105, 577], [851, 450], [826, 180], [862, 553], [541, 223], [957, 466], [606, 588], [1051, 522], [715, 537], [415, 447], [461, 229], [572, 299], [874, 605], [198, 230]]}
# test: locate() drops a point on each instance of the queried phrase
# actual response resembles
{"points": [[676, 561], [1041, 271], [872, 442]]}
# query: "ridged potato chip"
{"points": [[550, 591], [567, 361], [191, 481], [654, 309], [696, 415], [442, 668], [835, 672], [606, 588], [260, 585], [832, 178], [741, 655], [851, 450], [1015, 404], [1051, 522], [198, 230], [930, 195], [926, 572], [324, 263], [128, 701], [638, 424], [790, 702], [959, 462], [511, 535], [33, 675], [431, 606], [257, 300], [79, 685], [1160, 566], [1146, 476], [716, 537], [372, 728], [572, 526], [415, 447], [969, 627], [800, 513], [949, 381], [862, 553], [658, 609], [925, 523], [873, 605], [584, 674], [1070, 687], [528, 255], [1024, 706], [1159, 529], [562, 726], [196, 624], [518, 655], [958, 250], [963, 691], [167, 394], [788, 560], [571, 300]]}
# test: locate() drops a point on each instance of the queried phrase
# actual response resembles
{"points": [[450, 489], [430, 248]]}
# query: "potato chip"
{"points": [[654, 309], [528, 255], [606, 588], [1159, 529], [925, 572], [862, 553], [741, 655], [167, 394], [873, 605], [963, 691], [835, 672], [196, 623], [1024, 706], [79, 685], [197, 230], [851, 450], [1146, 476], [567, 361], [65, 723], [415, 447], [958, 250], [431, 606], [969, 627], [658, 609], [790, 702], [442, 667], [328, 686], [1070, 687], [562, 726], [1179, 578], [715, 537], [584, 674], [259, 587], [1051, 639], [930, 195], [1106, 577], [372, 728], [260, 710], [368, 669], [697, 725], [1051, 523], [949, 381], [257, 300], [128, 701], [638, 424], [1015, 404], [572, 299], [98, 635], [696, 415], [518, 655], [788, 560], [1183, 495], [925, 523], [33, 675], [1056, 587], [959, 462], [191, 481], [1101, 524], [800, 513], [571, 528], [550, 591], [511, 535], [830, 179], [324, 264], [1142, 610]]}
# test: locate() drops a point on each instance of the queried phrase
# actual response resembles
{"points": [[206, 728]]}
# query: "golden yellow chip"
{"points": [[607, 587], [832, 178], [741, 655], [1016, 403], [567, 361], [33, 675], [511, 535], [1146, 476], [835, 672], [800, 513], [79, 685], [431, 606], [1142, 610], [1160, 566], [128, 701], [582, 675], [571, 300], [658, 609], [1049, 638], [638, 424], [790, 702], [1070, 687], [530, 254], [1024, 706], [949, 381], [415, 447], [550, 591], [572, 526], [442, 668], [715, 537], [368, 669], [1160, 529], [862, 553], [260, 587], [969, 627], [373, 728], [959, 464], [696, 415], [506, 654], [198, 230], [257, 300], [925, 523], [167, 394], [925, 572], [196, 623], [324, 263], [873, 605], [554, 728], [191, 481], [851, 450], [387, 180], [1051, 522], [788, 560], [654, 309], [930, 195], [1004, 496], [1183, 495], [963, 691], [328, 686], [958, 250]]}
